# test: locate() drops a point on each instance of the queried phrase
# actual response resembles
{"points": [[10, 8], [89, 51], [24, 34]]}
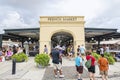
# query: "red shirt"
{"points": [[92, 59]]}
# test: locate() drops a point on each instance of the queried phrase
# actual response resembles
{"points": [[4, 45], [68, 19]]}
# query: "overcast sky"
{"points": [[26, 13]]}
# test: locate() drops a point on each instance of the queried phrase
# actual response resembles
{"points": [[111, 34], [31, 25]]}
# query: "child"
{"points": [[79, 65]]}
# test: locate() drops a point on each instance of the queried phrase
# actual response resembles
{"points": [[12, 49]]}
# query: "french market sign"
{"points": [[60, 19]]}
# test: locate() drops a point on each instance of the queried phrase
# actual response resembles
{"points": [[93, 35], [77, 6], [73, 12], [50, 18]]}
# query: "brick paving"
{"points": [[68, 71]]}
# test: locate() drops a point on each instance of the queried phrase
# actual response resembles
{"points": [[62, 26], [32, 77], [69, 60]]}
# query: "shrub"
{"points": [[97, 56], [42, 59], [20, 57], [106, 55], [110, 58]]}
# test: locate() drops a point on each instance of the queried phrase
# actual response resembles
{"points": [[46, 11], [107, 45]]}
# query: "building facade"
{"points": [[72, 26]]}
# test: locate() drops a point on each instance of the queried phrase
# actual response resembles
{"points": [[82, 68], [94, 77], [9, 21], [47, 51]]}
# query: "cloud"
{"points": [[98, 13], [13, 20], [109, 18]]}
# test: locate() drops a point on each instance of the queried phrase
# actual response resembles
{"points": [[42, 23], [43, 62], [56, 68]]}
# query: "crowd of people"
{"points": [[6, 53], [103, 49], [56, 54], [82, 57]]}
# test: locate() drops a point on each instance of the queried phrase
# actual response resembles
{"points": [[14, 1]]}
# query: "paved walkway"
{"points": [[29, 71]]}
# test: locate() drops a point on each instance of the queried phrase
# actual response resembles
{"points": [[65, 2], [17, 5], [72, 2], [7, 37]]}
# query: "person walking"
{"points": [[103, 67], [107, 50], [91, 69], [45, 49], [79, 65], [82, 50], [78, 49], [101, 50], [56, 63]]}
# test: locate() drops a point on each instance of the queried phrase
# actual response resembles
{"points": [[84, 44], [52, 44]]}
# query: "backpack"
{"points": [[88, 63]]}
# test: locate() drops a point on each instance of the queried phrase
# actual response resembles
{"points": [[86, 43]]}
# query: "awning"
{"points": [[110, 42]]}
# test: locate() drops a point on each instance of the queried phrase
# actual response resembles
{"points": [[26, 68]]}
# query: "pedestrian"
{"points": [[79, 65], [56, 63], [69, 52], [107, 50], [82, 50], [78, 49], [91, 69], [45, 49], [101, 50], [103, 67]]}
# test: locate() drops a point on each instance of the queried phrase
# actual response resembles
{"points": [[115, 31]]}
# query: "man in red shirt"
{"points": [[92, 67]]}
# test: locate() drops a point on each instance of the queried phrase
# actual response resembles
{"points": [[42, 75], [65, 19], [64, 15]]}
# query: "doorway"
{"points": [[62, 39]]}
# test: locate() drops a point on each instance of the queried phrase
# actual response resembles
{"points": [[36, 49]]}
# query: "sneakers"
{"points": [[61, 76], [56, 76]]}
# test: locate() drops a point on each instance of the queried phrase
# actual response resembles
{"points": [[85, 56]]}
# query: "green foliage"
{"points": [[20, 57], [97, 56], [110, 59], [42, 59], [106, 55]]}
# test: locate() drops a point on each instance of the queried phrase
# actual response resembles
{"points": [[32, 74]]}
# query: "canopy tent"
{"points": [[118, 43], [110, 42]]}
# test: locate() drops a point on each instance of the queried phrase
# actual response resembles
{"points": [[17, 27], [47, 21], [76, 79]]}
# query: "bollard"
{"points": [[13, 66]]}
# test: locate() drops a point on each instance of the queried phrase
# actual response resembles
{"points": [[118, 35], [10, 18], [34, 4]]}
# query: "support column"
{"points": [[98, 42], [0, 40], [22, 40], [98, 50]]}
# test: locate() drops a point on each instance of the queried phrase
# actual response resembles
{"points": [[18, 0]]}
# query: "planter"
{"points": [[21, 57], [40, 66], [42, 60]]}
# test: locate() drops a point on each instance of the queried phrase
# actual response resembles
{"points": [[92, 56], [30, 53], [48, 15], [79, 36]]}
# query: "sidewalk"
{"points": [[29, 71]]}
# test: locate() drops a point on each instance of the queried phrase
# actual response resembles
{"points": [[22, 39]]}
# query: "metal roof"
{"points": [[34, 33]]}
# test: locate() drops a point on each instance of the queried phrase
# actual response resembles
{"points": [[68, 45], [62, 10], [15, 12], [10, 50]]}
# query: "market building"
{"points": [[62, 30]]}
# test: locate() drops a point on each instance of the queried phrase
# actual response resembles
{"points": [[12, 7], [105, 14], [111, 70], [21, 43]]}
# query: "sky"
{"points": [[16, 14]]}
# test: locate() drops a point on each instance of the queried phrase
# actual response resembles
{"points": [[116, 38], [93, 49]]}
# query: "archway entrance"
{"points": [[62, 38], [61, 30]]}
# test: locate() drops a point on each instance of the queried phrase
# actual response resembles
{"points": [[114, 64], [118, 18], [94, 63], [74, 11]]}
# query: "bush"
{"points": [[42, 59], [106, 55], [110, 59], [97, 56], [20, 57]]}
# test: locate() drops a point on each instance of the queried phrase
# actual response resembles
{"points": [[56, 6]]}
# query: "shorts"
{"points": [[91, 69], [83, 54], [57, 66], [104, 73], [79, 69]]}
